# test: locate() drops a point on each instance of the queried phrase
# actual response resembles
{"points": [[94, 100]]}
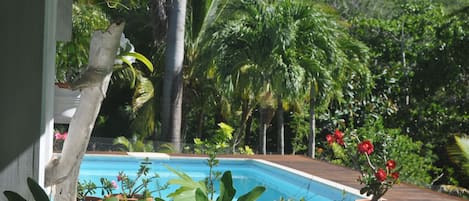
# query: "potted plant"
{"points": [[377, 173], [87, 188], [130, 189], [135, 189]]}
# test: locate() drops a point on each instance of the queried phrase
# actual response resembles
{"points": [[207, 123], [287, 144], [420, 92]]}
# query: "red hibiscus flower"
{"points": [[391, 164], [365, 147], [338, 134], [339, 137], [380, 175]]}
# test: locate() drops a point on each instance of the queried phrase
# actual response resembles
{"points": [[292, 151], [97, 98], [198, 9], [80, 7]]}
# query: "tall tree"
{"points": [[171, 110], [277, 46]]}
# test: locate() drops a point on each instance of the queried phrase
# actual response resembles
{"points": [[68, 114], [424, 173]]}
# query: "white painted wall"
{"points": [[27, 71]]}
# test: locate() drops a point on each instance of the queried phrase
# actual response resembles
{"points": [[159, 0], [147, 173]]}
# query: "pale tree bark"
{"points": [[262, 133], [265, 120], [312, 124], [281, 127], [62, 172], [171, 111]]}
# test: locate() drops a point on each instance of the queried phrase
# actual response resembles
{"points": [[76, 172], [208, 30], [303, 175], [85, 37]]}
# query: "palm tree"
{"points": [[259, 46], [172, 89], [202, 15]]}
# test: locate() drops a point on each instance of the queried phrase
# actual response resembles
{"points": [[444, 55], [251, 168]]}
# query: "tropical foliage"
{"points": [[394, 72]]}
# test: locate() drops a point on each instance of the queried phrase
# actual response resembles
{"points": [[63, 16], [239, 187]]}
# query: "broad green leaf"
{"points": [[253, 194], [185, 180], [227, 191], [38, 193], [200, 195], [13, 196]]}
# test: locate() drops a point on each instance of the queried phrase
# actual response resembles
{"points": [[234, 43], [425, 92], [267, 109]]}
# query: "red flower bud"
{"points": [[391, 164], [380, 175], [366, 147]]}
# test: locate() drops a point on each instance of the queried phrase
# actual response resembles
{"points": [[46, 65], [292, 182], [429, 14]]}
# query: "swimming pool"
{"points": [[247, 173]]}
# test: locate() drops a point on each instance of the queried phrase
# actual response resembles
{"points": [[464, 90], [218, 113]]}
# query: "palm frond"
{"points": [[459, 152]]}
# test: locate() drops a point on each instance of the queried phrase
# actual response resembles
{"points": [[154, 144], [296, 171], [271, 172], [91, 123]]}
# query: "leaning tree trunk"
{"points": [[62, 172], [281, 127], [312, 125], [172, 90], [240, 134]]}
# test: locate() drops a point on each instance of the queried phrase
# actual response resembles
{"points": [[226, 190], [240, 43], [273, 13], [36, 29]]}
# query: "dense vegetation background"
{"points": [[392, 71]]}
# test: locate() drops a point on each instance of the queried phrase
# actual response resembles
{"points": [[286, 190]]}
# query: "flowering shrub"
{"points": [[86, 188], [59, 139], [60, 136], [131, 187], [377, 179]]}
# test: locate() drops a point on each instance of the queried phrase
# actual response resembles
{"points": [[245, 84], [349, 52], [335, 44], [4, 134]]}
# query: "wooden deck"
{"points": [[348, 177]]}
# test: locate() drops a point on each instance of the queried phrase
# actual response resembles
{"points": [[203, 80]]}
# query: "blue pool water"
{"points": [[246, 175]]}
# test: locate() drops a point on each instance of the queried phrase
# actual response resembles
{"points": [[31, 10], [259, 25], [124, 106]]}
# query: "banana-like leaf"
{"points": [[200, 195], [13, 196], [227, 192], [253, 194], [188, 186], [141, 58], [38, 193]]}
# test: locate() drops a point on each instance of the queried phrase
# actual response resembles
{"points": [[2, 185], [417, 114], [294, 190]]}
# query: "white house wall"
{"points": [[27, 59]]}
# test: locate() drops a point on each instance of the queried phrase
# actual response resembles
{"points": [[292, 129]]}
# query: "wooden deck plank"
{"points": [[347, 176]]}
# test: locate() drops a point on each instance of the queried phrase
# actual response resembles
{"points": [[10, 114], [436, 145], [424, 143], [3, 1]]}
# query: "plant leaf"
{"points": [[143, 92], [38, 193], [227, 191], [253, 194], [13, 196], [200, 195], [141, 58], [123, 141], [133, 70]]}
